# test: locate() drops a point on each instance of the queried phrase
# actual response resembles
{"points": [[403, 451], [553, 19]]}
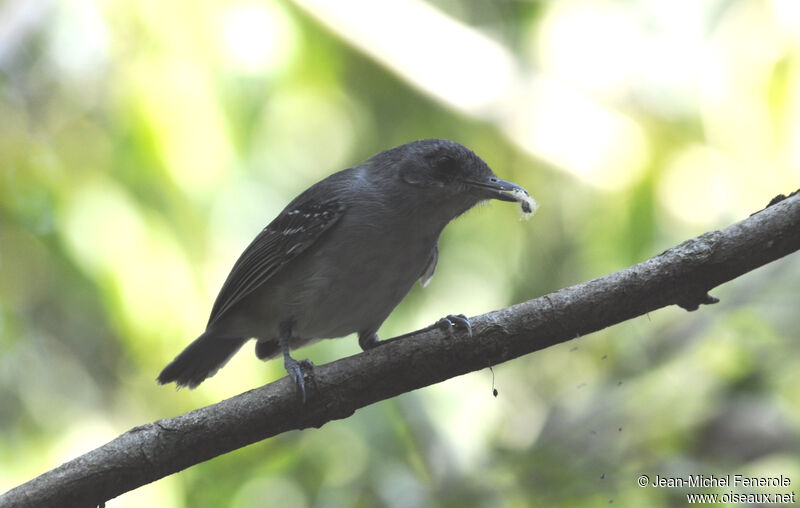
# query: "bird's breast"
{"points": [[358, 275]]}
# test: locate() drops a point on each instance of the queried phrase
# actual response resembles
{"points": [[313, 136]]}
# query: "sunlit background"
{"points": [[143, 144]]}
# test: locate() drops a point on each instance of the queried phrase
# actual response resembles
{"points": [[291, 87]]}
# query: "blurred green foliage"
{"points": [[143, 144]]}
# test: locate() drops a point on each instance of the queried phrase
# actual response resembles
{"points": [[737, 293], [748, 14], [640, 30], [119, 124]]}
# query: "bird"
{"points": [[341, 256]]}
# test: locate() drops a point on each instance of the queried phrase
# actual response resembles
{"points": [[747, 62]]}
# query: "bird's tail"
{"points": [[200, 360]]}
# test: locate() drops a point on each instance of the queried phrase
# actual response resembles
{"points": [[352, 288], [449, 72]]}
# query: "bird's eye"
{"points": [[447, 165]]}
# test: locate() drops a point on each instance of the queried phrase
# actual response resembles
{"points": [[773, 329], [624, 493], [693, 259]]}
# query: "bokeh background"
{"points": [[143, 144]]}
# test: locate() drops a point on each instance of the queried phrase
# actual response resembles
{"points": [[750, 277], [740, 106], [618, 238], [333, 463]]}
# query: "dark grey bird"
{"points": [[341, 256]]}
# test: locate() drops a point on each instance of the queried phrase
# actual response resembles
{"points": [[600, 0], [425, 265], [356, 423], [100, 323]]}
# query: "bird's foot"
{"points": [[450, 322], [295, 369]]}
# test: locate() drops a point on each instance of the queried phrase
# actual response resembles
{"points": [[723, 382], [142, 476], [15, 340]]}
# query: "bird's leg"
{"points": [[368, 340], [293, 367], [449, 323]]}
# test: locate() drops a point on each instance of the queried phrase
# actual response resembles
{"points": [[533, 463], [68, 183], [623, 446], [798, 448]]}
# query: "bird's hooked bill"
{"points": [[495, 188]]}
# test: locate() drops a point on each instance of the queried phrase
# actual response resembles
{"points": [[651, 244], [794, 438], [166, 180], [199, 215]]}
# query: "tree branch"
{"points": [[682, 275]]}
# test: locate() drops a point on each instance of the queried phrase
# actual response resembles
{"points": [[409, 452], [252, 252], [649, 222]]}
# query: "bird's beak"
{"points": [[494, 188]]}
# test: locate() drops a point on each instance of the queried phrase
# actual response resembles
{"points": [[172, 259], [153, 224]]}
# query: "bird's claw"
{"points": [[452, 321], [295, 371]]}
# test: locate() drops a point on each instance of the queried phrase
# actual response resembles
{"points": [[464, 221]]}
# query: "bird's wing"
{"points": [[427, 273], [289, 234]]}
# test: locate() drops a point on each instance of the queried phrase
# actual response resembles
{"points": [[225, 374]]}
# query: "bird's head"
{"points": [[451, 177]]}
